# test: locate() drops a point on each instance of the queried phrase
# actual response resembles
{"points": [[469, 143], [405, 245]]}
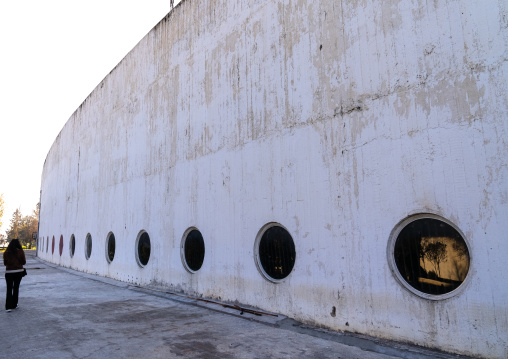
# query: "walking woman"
{"points": [[14, 259]]}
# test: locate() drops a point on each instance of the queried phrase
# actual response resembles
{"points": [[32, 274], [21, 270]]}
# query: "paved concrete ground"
{"points": [[68, 314]]}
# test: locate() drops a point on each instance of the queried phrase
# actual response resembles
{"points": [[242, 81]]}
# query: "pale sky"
{"points": [[53, 54]]}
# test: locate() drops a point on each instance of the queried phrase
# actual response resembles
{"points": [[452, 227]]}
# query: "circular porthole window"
{"points": [[88, 246], [53, 245], [47, 244], [429, 256], [192, 250], [60, 245], [275, 252], [110, 247], [143, 248], [72, 245]]}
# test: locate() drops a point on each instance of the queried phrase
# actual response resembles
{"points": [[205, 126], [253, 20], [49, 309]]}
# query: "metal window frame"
{"points": [[182, 250], [136, 252], [88, 255], [72, 249], [109, 260], [257, 258], [398, 276]]}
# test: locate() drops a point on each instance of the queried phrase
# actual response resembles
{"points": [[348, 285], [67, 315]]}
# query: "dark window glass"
{"points": [[88, 246], [277, 252], [53, 245], [72, 245], [111, 247], [47, 244], [144, 248], [431, 256], [60, 245], [194, 250]]}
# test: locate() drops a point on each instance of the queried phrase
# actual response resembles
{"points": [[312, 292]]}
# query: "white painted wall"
{"points": [[335, 119]]}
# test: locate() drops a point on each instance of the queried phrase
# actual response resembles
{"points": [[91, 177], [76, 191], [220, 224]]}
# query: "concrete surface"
{"points": [[67, 314], [337, 120]]}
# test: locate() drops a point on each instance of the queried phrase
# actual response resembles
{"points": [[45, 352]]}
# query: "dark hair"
{"points": [[14, 245]]}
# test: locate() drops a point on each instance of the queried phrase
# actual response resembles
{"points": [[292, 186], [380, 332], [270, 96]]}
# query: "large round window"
{"points": [[72, 245], [429, 256], [110, 247], [193, 250], [275, 252], [88, 246], [143, 248]]}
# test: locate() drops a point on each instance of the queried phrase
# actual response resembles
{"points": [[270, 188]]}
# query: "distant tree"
{"points": [[460, 260], [25, 231], [24, 227], [35, 213], [436, 254], [422, 250], [1, 208], [13, 231], [34, 224], [460, 249]]}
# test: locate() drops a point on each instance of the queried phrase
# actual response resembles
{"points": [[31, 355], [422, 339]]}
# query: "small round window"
{"points": [[47, 244], [143, 248], [60, 245], [72, 245], [275, 252], [88, 246], [430, 257], [193, 250], [110, 247]]}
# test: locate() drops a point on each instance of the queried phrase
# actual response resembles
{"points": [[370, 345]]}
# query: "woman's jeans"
{"points": [[12, 280]]}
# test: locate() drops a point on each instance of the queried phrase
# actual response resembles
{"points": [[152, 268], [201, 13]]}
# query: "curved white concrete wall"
{"points": [[336, 120]]}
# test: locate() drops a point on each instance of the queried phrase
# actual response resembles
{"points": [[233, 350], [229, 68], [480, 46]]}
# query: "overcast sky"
{"points": [[53, 54]]}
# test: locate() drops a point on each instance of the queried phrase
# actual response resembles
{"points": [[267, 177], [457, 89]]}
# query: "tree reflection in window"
{"points": [[144, 249], [431, 256]]}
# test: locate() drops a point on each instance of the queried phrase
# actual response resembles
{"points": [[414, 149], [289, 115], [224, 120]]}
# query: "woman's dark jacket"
{"points": [[14, 261]]}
